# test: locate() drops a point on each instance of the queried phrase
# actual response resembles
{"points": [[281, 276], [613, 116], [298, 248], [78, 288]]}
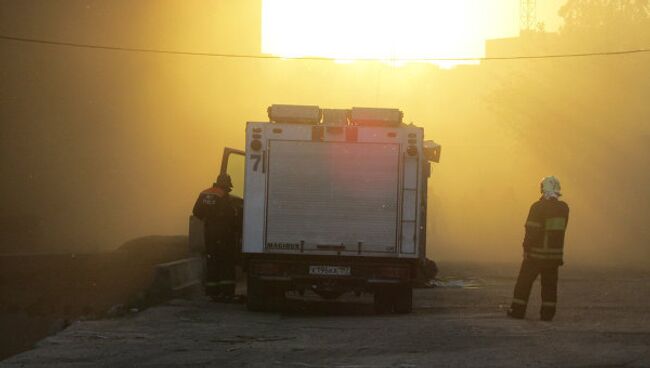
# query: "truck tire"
{"points": [[403, 299], [264, 296], [383, 300], [276, 299], [254, 297]]}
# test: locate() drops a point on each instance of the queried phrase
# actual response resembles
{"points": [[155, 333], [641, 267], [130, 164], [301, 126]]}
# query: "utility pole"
{"points": [[527, 15]]}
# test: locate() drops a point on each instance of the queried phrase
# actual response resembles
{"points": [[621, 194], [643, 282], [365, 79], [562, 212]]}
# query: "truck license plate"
{"points": [[330, 270]]}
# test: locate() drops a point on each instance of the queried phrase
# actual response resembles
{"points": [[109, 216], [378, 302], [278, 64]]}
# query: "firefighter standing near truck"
{"points": [[543, 250], [219, 215]]}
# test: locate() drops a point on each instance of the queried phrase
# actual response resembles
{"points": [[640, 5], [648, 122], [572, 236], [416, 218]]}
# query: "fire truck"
{"points": [[334, 202]]}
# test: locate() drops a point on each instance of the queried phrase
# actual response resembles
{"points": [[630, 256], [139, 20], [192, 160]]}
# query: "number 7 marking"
{"points": [[257, 159]]}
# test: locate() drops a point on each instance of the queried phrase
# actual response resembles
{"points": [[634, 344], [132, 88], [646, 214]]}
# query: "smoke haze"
{"points": [[98, 147]]}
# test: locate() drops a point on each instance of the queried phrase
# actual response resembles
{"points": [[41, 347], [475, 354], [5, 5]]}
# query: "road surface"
{"points": [[603, 321]]}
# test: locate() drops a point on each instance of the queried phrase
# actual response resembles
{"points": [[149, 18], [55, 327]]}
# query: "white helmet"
{"points": [[550, 186]]}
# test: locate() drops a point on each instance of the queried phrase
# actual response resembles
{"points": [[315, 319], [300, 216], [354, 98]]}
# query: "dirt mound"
{"points": [[156, 247]]}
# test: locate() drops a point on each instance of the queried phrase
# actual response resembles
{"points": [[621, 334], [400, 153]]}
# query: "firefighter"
{"points": [[543, 250], [219, 215]]}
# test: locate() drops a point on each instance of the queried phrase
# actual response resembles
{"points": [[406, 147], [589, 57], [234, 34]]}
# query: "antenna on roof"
{"points": [[527, 15]]}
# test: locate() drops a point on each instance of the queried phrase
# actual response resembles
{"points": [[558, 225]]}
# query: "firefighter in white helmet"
{"points": [[543, 250]]}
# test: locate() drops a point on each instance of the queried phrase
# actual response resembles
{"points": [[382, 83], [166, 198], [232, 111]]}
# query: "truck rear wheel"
{"points": [[383, 300], [254, 297], [403, 300], [264, 296]]}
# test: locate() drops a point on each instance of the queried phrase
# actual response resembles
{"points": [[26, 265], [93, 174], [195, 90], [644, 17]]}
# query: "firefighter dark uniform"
{"points": [[543, 254], [214, 207]]}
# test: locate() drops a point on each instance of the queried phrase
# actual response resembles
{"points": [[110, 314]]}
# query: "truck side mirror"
{"points": [[432, 151]]}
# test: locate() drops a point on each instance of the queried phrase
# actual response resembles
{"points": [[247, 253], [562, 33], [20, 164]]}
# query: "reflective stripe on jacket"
{"points": [[545, 228]]}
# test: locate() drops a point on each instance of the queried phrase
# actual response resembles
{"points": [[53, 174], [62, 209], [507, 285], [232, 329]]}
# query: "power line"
{"points": [[251, 56]]}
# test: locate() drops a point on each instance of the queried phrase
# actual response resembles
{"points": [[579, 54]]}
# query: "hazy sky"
{"points": [[392, 29], [100, 146]]}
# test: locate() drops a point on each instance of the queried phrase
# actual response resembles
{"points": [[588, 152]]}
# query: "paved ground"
{"points": [[39, 292], [603, 321]]}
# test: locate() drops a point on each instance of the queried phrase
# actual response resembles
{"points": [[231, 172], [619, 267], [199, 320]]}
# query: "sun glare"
{"points": [[393, 31]]}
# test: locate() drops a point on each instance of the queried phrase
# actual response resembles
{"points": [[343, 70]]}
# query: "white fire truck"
{"points": [[335, 201]]}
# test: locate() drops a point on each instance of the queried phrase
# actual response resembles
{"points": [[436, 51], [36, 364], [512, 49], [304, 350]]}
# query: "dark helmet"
{"points": [[224, 182]]}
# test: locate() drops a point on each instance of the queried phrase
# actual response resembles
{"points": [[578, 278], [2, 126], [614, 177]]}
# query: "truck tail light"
{"points": [[351, 134], [412, 151]]}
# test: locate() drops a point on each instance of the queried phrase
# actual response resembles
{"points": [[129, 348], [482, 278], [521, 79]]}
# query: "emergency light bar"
{"points": [[296, 114], [375, 116], [335, 116], [309, 114]]}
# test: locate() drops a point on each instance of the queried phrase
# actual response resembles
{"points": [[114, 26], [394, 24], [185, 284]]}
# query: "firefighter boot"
{"points": [[517, 310], [547, 312]]}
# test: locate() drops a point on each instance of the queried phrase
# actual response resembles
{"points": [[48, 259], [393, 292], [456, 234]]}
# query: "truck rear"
{"points": [[335, 202]]}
